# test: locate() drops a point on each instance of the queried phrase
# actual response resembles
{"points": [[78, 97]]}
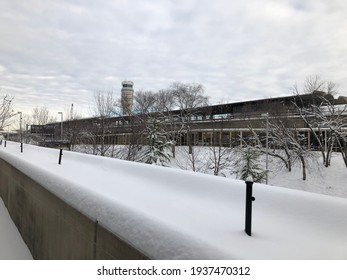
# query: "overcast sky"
{"points": [[55, 53]]}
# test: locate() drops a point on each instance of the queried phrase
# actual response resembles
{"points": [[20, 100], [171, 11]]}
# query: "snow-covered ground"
{"points": [[12, 246], [330, 181], [320, 179], [175, 214]]}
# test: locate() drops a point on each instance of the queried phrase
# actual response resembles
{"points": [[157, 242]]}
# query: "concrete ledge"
{"points": [[51, 228]]}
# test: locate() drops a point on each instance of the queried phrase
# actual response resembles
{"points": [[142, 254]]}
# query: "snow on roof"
{"points": [[174, 214]]}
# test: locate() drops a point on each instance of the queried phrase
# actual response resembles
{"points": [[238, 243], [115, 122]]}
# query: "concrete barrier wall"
{"points": [[51, 228]]}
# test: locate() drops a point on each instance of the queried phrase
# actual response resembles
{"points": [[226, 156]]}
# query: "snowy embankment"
{"points": [[174, 214], [12, 246]]}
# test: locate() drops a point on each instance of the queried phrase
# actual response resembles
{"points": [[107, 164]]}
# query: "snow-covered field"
{"points": [[320, 179], [175, 214], [330, 181]]}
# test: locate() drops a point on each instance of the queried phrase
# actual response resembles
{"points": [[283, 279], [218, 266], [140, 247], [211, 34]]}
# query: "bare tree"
{"points": [[219, 152], [188, 98], [104, 109], [300, 152], [219, 159], [333, 118], [294, 145], [195, 161], [105, 102], [6, 110], [325, 119], [41, 116], [278, 142], [26, 122], [288, 144], [279, 139], [136, 125], [165, 103], [144, 102], [74, 131]]}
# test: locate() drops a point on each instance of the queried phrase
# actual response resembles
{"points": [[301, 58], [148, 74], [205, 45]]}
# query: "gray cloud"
{"points": [[58, 52]]}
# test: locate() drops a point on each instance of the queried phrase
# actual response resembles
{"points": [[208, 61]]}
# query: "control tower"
{"points": [[127, 97]]}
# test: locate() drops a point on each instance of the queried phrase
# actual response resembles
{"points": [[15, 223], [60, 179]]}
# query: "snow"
{"points": [[175, 214], [320, 179], [329, 181], [12, 246]]}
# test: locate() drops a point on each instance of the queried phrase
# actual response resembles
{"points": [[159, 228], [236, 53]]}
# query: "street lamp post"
{"points": [[20, 126], [20, 130], [61, 127], [267, 144]]}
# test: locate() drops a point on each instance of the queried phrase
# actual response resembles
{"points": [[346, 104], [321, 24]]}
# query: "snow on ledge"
{"points": [[175, 214]]}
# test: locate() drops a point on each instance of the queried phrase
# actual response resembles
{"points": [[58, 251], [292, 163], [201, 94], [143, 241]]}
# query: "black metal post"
{"points": [[21, 147], [249, 200], [5, 143], [60, 155]]}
